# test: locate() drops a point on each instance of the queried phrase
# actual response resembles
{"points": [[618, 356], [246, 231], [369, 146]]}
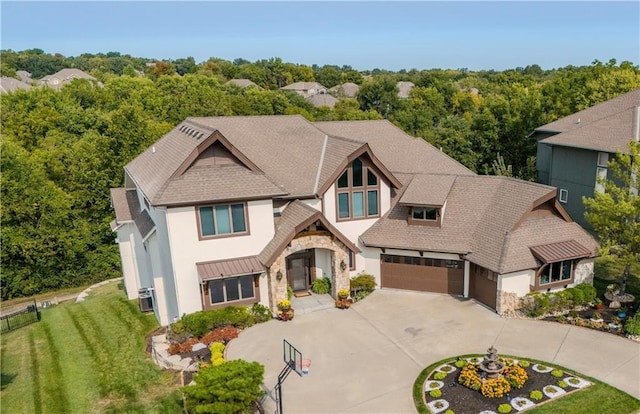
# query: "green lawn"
{"points": [[86, 357]]}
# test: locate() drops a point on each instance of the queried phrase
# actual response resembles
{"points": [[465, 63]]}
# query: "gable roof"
{"points": [[322, 99], [8, 85], [409, 155], [242, 83], [404, 88], [482, 218], [275, 156], [68, 74], [303, 86], [427, 190], [607, 127], [348, 90], [296, 217]]}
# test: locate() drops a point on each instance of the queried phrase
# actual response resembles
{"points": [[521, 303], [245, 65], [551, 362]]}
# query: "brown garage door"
{"points": [[423, 274], [483, 285]]}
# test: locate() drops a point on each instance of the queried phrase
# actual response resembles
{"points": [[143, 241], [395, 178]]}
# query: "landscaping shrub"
{"points": [[537, 304], [562, 384], [536, 395], [321, 286], [588, 291], [561, 301], [223, 334], [557, 373], [632, 326], [363, 282], [435, 393], [260, 313], [289, 292], [439, 376], [449, 411], [524, 364], [495, 388], [460, 363], [232, 387], [577, 296], [199, 323], [504, 408]]}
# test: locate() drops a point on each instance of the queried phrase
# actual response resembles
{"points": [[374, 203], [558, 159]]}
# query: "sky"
{"points": [[391, 35]]}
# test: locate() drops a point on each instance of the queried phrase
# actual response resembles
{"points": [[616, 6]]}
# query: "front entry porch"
{"points": [[312, 303]]}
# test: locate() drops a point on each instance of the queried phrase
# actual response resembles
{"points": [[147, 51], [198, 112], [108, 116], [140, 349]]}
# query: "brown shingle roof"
{"points": [[409, 155], [479, 219], [608, 126], [11, 85], [322, 99], [127, 207], [230, 267], [242, 83], [428, 190], [537, 231]]}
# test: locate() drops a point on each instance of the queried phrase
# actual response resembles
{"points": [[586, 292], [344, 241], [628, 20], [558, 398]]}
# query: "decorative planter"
{"points": [[344, 303], [285, 315]]}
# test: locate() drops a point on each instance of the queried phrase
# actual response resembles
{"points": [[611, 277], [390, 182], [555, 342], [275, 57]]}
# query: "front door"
{"points": [[299, 271]]}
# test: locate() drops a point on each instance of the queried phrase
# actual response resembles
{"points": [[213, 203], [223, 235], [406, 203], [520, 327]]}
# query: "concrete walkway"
{"points": [[364, 360]]}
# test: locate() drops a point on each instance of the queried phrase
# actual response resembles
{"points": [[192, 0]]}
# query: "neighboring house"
{"points": [[575, 150], [306, 89], [231, 210], [404, 88], [63, 77], [24, 76], [242, 83], [346, 90], [8, 85], [322, 99]]}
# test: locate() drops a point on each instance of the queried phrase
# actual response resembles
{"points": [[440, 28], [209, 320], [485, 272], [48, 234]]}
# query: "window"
{"points": [[556, 272], [231, 289], [358, 192], [601, 175], [222, 219], [563, 196], [603, 159], [426, 213]]}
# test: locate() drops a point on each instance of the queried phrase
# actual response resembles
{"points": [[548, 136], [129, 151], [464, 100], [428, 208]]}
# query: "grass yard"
{"points": [[86, 357]]}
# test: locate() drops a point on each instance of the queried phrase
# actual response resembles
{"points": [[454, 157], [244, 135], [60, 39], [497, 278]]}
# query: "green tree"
{"points": [[230, 388], [379, 94], [615, 213], [329, 76]]}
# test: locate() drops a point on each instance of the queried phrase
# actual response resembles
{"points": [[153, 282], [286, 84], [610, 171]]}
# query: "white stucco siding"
{"points": [[516, 282], [314, 203], [323, 263], [187, 249], [128, 260]]}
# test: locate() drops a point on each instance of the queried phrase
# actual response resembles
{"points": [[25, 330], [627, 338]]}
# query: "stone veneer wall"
{"points": [[339, 277], [509, 302]]}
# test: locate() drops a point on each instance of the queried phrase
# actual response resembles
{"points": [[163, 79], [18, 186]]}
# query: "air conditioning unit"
{"points": [[145, 298]]}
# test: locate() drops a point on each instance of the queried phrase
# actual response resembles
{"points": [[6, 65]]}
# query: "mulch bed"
{"points": [[463, 400], [584, 319]]}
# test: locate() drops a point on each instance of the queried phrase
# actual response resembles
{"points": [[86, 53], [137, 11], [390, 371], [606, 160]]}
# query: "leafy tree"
{"points": [[230, 388], [329, 76], [615, 213], [185, 65], [379, 94]]}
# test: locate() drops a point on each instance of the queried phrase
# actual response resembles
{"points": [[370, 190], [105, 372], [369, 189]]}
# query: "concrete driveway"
{"points": [[365, 359]]}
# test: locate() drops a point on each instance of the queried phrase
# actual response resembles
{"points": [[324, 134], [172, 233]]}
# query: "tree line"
{"points": [[62, 151]]}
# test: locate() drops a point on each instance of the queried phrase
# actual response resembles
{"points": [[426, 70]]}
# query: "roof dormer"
{"points": [[426, 198]]}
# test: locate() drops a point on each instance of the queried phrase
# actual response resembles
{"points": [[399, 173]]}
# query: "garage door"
{"points": [[483, 285], [423, 274]]}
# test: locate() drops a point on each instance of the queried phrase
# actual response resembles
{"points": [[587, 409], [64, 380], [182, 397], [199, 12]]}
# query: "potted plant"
{"points": [[285, 311], [597, 303], [622, 312], [343, 301]]}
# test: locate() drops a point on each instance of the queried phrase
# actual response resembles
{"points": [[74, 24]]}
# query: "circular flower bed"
{"points": [[524, 385]]}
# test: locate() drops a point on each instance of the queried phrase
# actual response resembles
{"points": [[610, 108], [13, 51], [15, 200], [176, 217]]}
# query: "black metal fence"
{"points": [[19, 318]]}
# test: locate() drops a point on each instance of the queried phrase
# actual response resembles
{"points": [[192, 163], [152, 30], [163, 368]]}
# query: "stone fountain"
{"points": [[617, 294], [491, 364]]}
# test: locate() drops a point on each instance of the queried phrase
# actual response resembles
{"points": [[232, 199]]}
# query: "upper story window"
{"points": [[358, 192], [563, 195], [603, 159], [222, 219], [429, 216]]}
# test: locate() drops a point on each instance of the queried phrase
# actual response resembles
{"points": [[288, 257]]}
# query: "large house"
{"points": [[63, 77], [232, 210], [573, 151], [305, 89]]}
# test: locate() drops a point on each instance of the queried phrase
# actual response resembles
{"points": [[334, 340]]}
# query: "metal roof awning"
{"points": [[555, 252], [231, 267]]}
